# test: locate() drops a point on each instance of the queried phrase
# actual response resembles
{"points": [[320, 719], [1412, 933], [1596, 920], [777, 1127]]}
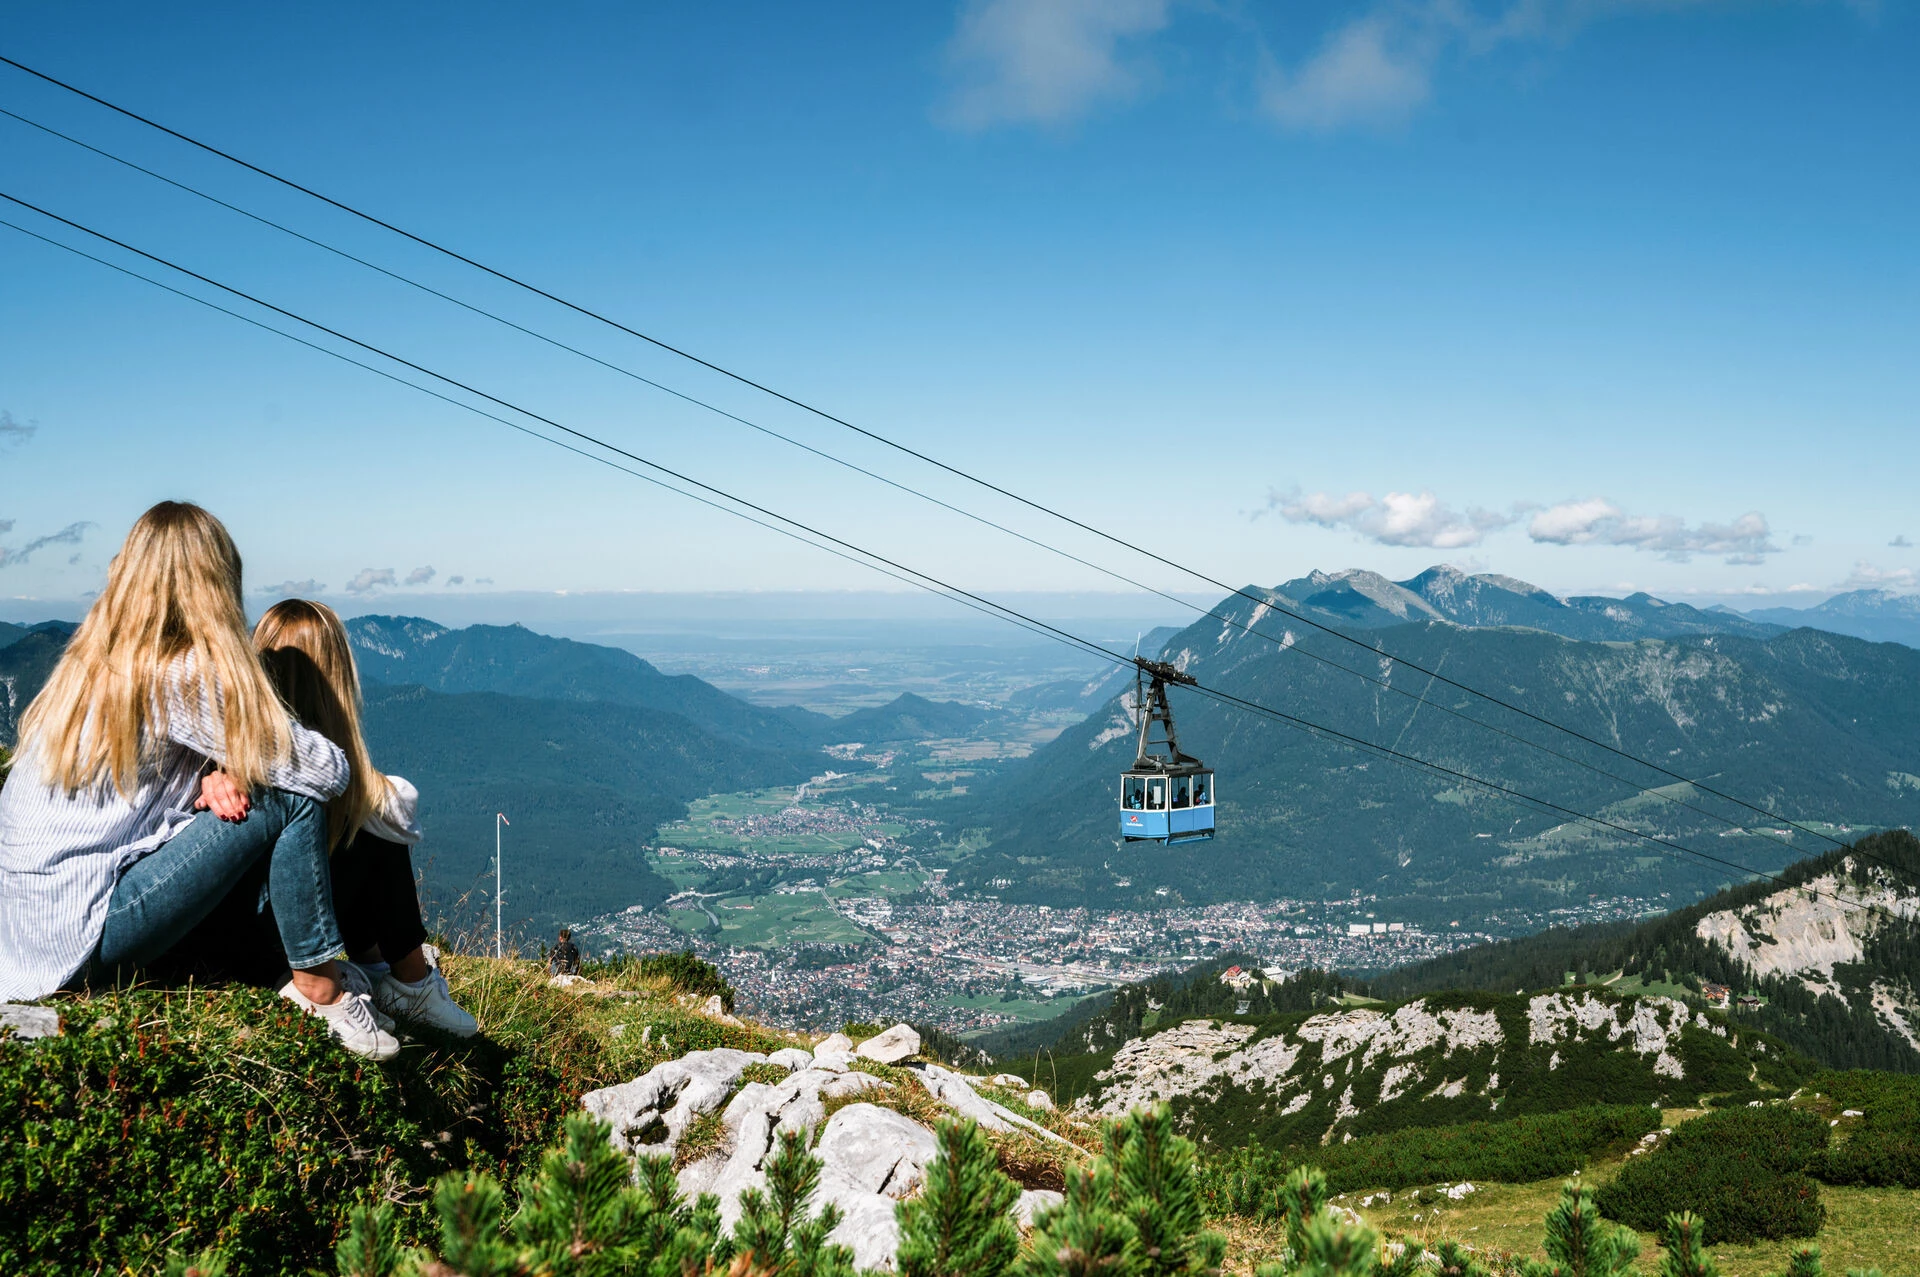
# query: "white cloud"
{"points": [[1399, 518], [370, 579], [1865, 576], [1044, 61], [1597, 521], [1368, 71], [420, 576], [295, 589]]}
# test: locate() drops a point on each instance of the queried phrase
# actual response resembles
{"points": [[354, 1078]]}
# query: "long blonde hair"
{"points": [[305, 650], [173, 591]]}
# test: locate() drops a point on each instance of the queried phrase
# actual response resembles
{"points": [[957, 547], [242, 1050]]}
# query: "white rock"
{"points": [[896, 1044], [791, 1058], [668, 1095], [953, 1090], [1040, 1100], [1033, 1201], [564, 981], [878, 1149], [20, 1021], [1459, 1191], [1852, 1113], [1008, 1079], [835, 1060], [833, 1042], [755, 1117]]}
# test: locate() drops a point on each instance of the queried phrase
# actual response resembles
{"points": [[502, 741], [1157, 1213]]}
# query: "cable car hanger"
{"points": [[1167, 796]]}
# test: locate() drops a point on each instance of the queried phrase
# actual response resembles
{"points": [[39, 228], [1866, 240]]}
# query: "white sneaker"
{"points": [[429, 1002], [357, 980], [349, 1018]]}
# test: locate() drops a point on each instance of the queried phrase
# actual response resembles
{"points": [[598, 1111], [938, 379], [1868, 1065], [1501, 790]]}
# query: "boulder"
{"points": [[1031, 1202], [564, 981], [954, 1091], [649, 1113], [1013, 1080], [896, 1044], [879, 1150], [833, 1042], [20, 1021], [1040, 1100], [870, 1158], [754, 1119], [837, 1061], [791, 1058]]}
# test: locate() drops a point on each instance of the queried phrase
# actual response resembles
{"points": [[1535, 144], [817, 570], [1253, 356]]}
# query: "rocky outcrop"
{"points": [[21, 1021], [871, 1156], [1325, 1071], [650, 1113]]}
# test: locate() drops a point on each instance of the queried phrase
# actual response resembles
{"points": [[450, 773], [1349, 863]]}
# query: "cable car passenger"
{"points": [[1182, 791], [1202, 790]]}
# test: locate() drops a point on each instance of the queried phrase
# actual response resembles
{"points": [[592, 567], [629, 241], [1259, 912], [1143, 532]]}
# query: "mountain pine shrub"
{"points": [[1743, 1171], [1580, 1243], [1883, 1148], [1514, 1151], [959, 1226], [1684, 1238]]}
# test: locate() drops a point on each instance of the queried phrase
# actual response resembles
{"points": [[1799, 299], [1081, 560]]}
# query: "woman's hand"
{"points": [[220, 795]]}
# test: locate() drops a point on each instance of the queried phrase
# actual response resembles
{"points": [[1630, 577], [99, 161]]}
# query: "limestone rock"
{"points": [[1013, 1080], [1031, 1202], [564, 981], [878, 1149], [833, 1042], [791, 1058], [754, 1119], [954, 1091], [649, 1113], [837, 1061], [20, 1021], [896, 1044], [1040, 1100]]}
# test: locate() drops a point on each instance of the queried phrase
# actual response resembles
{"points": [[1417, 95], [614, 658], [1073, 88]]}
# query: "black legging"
{"points": [[374, 898]]}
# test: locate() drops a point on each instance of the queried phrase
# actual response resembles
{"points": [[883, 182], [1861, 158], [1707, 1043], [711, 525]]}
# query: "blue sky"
{"points": [[1608, 295]]}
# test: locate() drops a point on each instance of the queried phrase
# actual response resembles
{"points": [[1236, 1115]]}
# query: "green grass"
{"points": [[778, 922], [1022, 1009]]}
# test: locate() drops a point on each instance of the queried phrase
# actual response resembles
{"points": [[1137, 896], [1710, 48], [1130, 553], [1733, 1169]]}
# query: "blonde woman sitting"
{"points": [[109, 853]]}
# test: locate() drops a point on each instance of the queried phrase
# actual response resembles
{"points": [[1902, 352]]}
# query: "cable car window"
{"points": [[1182, 791], [1132, 792], [1156, 794], [1203, 789]]}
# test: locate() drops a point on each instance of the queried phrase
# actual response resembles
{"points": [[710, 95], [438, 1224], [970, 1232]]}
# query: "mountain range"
{"points": [[1880, 615], [1812, 725]]}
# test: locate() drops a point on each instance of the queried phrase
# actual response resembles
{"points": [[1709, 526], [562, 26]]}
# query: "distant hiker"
{"points": [[565, 958], [104, 863], [371, 826]]}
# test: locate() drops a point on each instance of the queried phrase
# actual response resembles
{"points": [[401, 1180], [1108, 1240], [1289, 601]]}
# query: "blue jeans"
{"points": [[165, 894]]}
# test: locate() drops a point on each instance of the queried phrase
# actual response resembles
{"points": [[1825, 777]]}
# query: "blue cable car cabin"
{"points": [[1166, 796], [1158, 807]]}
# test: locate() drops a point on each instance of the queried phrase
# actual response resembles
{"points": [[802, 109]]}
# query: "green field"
{"points": [[1024, 1010], [773, 922]]}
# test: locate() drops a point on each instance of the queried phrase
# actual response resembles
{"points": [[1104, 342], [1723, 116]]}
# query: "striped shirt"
{"points": [[61, 853]]}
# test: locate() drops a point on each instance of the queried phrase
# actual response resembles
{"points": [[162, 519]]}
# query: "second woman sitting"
{"points": [[371, 827]]}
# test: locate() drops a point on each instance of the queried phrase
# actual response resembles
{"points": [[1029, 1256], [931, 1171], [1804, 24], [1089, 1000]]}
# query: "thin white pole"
{"points": [[499, 947]]}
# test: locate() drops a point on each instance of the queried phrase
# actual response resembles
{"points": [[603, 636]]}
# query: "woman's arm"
{"points": [[315, 766]]}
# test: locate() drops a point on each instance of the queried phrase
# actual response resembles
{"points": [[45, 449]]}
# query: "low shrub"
{"points": [[1883, 1148], [1742, 1171], [1514, 1151]]}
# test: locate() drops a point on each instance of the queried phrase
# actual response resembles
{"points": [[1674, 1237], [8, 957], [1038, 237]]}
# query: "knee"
{"points": [[291, 807]]}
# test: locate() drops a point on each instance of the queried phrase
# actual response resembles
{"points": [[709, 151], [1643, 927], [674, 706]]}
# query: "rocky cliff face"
{"points": [[1436, 1060], [1824, 933]]}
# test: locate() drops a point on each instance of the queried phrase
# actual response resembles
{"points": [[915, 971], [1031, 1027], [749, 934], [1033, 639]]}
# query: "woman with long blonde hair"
{"points": [[372, 826], [109, 852]]}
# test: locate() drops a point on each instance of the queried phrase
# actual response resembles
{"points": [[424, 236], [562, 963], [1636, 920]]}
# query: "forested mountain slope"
{"points": [[584, 785], [515, 661], [1813, 725], [1832, 949]]}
